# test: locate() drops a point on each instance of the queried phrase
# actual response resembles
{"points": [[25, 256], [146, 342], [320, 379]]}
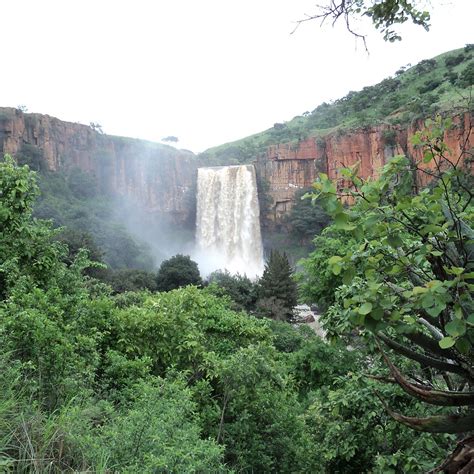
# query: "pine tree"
{"points": [[277, 288]]}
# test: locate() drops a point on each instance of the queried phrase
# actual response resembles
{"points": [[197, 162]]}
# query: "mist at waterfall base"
{"points": [[228, 221], [156, 235], [225, 236]]}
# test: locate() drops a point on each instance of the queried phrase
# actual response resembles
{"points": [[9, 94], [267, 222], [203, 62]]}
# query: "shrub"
{"points": [[306, 219], [466, 77], [452, 61], [176, 272], [240, 289], [451, 76], [429, 85], [158, 432], [389, 137], [425, 66]]}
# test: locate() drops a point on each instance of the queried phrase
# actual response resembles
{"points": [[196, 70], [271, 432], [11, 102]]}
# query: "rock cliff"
{"points": [[163, 179], [160, 178], [289, 167]]}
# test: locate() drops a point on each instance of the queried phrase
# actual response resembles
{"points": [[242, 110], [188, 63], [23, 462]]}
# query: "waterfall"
{"points": [[228, 225]]}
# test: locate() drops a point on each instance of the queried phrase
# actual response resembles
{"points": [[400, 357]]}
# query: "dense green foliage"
{"points": [[306, 219], [434, 85], [317, 282], [72, 199], [405, 273], [277, 292], [176, 272], [242, 291], [170, 382]]}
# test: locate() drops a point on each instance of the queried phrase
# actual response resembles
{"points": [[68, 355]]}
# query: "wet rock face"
{"points": [[289, 167], [161, 178]]}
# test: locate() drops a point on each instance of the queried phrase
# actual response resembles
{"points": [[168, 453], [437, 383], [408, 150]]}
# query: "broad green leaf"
{"points": [[366, 308], [436, 310], [336, 269], [427, 301], [427, 156], [348, 275], [418, 290], [446, 342], [334, 259], [455, 271], [463, 345], [377, 314], [456, 328], [394, 240]]}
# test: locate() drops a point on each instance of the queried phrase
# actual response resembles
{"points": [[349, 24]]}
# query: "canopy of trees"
{"points": [[174, 381]]}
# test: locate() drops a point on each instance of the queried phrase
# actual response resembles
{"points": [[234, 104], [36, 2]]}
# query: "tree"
{"points": [[384, 15], [97, 127], [176, 272], [170, 138], [26, 246], [277, 288], [240, 288], [409, 277], [129, 279], [306, 220]]}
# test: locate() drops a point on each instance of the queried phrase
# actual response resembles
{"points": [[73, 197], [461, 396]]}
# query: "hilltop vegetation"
{"points": [[434, 85]]}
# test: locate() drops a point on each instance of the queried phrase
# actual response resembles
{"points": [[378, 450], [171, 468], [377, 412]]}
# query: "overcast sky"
{"points": [[206, 71]]}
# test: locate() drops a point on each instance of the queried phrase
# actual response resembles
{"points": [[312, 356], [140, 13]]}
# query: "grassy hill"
{"points": [[434, 85]]}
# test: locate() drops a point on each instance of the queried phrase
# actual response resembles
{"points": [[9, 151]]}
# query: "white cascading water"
{"points": [[228, 220]]}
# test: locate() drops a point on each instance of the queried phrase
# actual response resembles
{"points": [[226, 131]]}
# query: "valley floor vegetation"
{"points": [[196, 379]]}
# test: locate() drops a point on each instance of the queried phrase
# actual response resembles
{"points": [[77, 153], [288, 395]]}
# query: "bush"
{"points": [[429, 86], [158, 432], [389, 137], [261, 423], [452, 77], [349, 433], [130, 280], [176, 272], [240, 289], [306, 219], [425, 66], [452, 61], [317, 283], [466, 77], [32, 156]]}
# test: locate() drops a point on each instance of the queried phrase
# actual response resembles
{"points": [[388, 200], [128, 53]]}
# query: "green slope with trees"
{"points": [[440, 84]]}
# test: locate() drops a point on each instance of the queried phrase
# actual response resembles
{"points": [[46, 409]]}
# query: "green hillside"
{"points": [[433, 85]]}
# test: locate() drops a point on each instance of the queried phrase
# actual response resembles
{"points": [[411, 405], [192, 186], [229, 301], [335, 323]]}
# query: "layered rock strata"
{"points": [[289, 167], [160, 178]]}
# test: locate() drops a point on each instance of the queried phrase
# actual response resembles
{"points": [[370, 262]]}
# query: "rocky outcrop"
{"points": [[163, 179], [160, 178], [289, 167]]}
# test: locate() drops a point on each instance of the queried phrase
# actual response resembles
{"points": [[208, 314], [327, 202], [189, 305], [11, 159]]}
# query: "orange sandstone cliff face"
{"points": [[163, 180], [289, 167], [160, 178]]}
